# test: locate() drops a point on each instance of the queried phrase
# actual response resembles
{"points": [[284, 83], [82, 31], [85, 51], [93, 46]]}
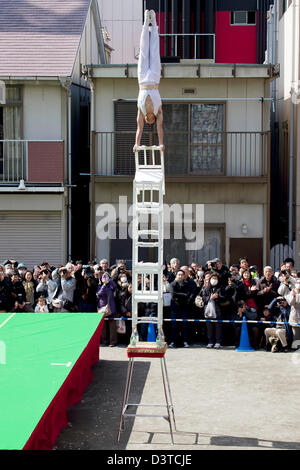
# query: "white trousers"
{"points": [[149, 66]]}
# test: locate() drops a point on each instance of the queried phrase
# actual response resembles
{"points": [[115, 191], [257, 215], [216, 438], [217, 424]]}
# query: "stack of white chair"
{"points": [[147, 232]]}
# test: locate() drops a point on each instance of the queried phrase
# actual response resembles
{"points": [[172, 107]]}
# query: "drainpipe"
{"points": [[66, 84], [92, 171], [292, 124]]}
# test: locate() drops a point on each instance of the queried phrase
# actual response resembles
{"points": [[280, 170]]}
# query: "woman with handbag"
{"points": [[106, 304], [213, 295]]}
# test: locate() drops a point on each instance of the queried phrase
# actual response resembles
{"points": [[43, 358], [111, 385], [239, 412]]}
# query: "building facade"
{"points": [[283, 49], [217, 133], [44, 126], [217, 137]]}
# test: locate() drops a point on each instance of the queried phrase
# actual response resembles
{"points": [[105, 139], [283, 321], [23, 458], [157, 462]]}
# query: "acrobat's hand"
{"points": [[135, 148], [163, 148]]}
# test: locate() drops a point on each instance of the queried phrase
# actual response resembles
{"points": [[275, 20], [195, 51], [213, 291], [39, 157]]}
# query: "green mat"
{"points": [[37, 352]]}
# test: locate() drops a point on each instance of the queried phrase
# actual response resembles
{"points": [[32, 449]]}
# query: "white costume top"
{"points": [[149, 68], [155, 97]]}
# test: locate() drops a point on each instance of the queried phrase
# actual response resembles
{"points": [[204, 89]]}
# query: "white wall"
{"points": [[123, 20], [88, 51], [288, 52], [42, 112]]}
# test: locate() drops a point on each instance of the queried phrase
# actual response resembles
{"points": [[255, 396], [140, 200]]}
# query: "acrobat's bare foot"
{"points": [[153, 18], [147, 18]]}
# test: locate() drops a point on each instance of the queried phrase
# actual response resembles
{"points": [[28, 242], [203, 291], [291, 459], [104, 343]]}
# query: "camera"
{"points": [[285, 272]]}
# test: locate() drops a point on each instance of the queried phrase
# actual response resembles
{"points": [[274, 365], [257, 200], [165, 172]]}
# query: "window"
{"points": [[214, 246], [11, 153], [193, 137], [243, 18], [207, 138]]}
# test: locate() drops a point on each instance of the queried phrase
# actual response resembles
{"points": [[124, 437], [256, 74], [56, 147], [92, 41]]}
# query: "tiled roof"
{"points": [[40, 37]]}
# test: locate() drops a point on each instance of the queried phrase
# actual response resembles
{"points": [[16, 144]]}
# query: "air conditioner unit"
{"points": [[2, 92]]}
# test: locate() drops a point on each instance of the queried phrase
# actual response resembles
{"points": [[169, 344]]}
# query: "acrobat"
{"points": [[149, 70]]}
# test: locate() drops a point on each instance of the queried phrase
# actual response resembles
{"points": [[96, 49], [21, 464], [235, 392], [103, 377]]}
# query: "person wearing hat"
{"points": [[22, 268]]}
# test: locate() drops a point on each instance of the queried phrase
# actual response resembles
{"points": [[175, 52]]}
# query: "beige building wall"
{"points": [[287, 89], [123, 21], [42, 112], [240, 115], [229, 203]]}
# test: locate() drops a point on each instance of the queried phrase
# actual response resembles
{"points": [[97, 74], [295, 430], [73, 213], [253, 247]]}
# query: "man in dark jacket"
{"points": [[179, 307], [5, 294], [222, 270], [267, 288], [17, 290]]}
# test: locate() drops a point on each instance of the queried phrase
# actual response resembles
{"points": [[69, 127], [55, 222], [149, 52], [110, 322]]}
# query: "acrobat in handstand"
{"points": [[149, 70]]}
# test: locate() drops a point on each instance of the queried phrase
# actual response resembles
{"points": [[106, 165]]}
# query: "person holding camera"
{"points": [[267, 288], [46, 287], [222, 270], [86, 288], [62, 300], [293, 299], [243, 310], [121, 268], [287, 282], [106, 304], [279, 336]]}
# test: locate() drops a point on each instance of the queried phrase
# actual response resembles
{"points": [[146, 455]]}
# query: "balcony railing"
{"points": [[33, 161], [189, 45], [229, 154]]}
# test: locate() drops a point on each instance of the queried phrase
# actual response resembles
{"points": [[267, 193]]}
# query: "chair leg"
{"points": [[125, 397], [167, 399], [169, 389]]}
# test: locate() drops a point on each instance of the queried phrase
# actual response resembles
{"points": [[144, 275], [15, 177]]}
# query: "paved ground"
{"points": [[222, 399]]}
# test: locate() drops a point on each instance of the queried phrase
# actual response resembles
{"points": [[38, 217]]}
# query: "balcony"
{"points": [[188, 46], [203, 155], [33, 161]]}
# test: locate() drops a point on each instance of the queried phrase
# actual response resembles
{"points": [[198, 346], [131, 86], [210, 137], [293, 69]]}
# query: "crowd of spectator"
{"points": [[212, 291]]}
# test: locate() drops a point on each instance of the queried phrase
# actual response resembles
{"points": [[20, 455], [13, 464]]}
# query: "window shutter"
{"points": [[125, 131]]}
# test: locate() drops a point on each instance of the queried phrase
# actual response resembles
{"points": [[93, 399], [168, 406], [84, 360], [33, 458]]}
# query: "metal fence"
{"points": [[13, 160], [189, 45], [231, 154]]}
